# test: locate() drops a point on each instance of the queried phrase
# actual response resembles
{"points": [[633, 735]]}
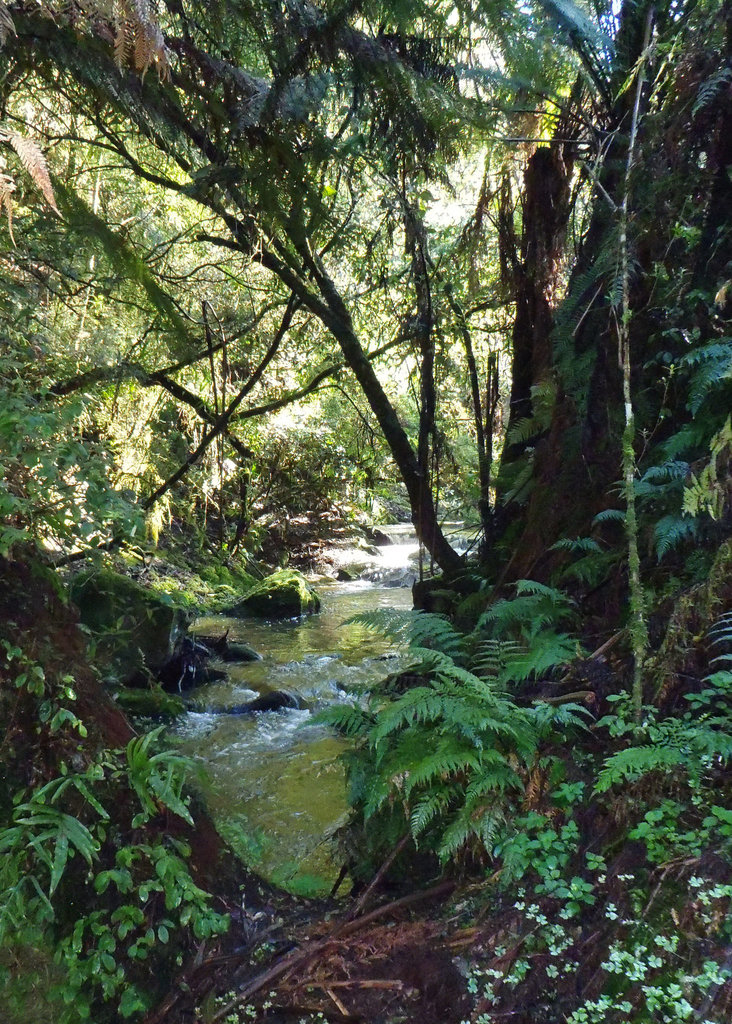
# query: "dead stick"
{"points": [[363, 898], [341, 1006], [364, 983]]}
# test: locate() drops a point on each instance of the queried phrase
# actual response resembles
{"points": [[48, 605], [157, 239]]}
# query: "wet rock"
{"points": [[153, 702], [135, 630], [378, 537], [404, 577], [228, 650], [274, 701], [283, 595]]}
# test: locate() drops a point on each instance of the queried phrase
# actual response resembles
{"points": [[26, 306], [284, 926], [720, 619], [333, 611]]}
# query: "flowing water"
{"points": [[273, 781]]}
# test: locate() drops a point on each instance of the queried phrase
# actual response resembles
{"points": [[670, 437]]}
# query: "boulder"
{"points": [[135, 629], [153, 702], [274, 701], [378, 537], [228, 650], [283, 595], [188, 667]]}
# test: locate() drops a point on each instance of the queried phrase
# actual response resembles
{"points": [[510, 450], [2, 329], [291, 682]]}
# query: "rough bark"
{"points": [[545, 215]]}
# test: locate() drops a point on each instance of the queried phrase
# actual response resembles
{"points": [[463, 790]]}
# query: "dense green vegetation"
{"points": [[271, 270]]}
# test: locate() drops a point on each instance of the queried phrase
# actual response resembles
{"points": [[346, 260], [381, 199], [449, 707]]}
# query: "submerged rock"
{"points": [[135, 629], [283, 595]]}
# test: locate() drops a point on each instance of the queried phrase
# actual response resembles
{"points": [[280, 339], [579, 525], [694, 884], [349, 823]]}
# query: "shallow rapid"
{"points": [[273, 781]]}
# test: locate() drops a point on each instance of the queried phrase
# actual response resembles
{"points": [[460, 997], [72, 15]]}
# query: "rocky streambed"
{"points": [[273, 780]]}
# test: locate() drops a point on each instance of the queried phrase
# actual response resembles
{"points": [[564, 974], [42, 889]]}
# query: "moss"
{"points": [[284, 594], [135, 628], [153, 702]]}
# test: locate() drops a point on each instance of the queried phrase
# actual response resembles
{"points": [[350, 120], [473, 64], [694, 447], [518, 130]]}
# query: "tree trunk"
{"points": [[545, 216], [415, 477]]}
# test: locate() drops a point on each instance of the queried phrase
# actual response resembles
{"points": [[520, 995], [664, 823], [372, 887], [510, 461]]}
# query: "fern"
{"points": [[7, 188], [534, 607], [583, 545], [547, 651], [711, 89], [7, 28], [709, 491], [691, 745], [424, 630], [631, 764], [492, 656], [609, 515], [33, 162], [672, 530], [448, 756], [347, 719]]}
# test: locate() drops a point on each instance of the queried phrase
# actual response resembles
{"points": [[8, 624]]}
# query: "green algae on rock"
{"points": [[283, 595], [153, 702], [135, 629]]}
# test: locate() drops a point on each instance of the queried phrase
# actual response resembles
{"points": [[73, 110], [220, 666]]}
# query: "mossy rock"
{"points": [[153, 702], [135, 629], [283, 595]]}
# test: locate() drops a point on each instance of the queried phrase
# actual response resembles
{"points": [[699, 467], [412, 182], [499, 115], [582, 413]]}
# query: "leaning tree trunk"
{"points": [[415, 478]]}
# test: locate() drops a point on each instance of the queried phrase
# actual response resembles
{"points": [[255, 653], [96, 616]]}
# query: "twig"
{"points": [[363, 898], [364, 983], [338, 1003]]}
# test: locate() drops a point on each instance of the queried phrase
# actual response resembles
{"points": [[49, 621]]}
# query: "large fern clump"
{"points": [[441, 753]]}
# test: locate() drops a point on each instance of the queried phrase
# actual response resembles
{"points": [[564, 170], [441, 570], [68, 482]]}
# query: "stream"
{"points": [[273, 781]]}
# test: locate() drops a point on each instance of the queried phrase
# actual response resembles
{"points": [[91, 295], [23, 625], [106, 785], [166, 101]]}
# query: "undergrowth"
{"points": [[606, 844]]}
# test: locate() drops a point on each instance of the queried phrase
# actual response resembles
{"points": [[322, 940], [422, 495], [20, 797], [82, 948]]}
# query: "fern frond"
{"points": [[672, 530], [548, 650], [428, 807], [7, 188], [450, 758], [535, 606], [673, 469], [609, 515], [523, 430], [631, 764], [33, 161], [711, 88], [7, 27], [549, 718], [420, 704], [586, 545], [345, 718], [534, 587], [492, 656]]}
